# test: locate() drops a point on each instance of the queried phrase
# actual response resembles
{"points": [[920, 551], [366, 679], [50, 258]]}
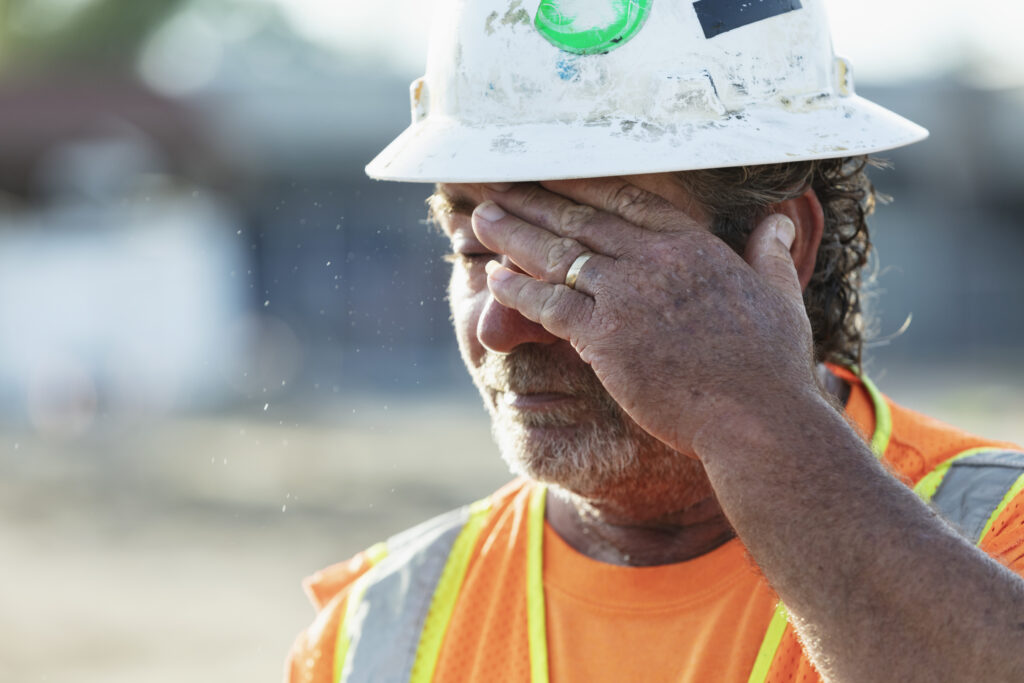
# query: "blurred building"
{"points": [[195, 230]]}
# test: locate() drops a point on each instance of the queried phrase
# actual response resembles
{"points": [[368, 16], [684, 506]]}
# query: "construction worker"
{"points": [[656, 212]]}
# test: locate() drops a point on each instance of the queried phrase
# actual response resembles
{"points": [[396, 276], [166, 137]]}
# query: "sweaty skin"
{"points": [[711, 353]]}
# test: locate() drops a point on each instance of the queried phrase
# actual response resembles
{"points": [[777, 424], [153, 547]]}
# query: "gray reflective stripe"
{"points": [[385, 626], [973, 488]]}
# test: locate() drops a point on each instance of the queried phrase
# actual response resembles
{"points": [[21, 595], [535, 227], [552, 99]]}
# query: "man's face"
{"points": [[551, 417]]}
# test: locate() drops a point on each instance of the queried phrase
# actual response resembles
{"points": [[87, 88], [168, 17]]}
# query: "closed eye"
{"points": [[469, 259]]}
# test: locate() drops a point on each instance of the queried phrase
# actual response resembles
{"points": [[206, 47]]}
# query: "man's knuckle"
{"points": [[552, 304], [628, 199], [556, 255], [574, 217]]}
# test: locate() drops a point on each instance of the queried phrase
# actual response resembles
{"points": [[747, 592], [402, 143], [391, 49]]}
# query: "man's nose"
{"points": [[501, 329]]}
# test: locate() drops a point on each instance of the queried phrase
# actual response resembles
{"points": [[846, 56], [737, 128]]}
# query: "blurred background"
{"points": [[225, 355]]}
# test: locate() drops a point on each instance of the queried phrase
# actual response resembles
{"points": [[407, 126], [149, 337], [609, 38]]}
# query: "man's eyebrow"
{"points": [[443, 204]]}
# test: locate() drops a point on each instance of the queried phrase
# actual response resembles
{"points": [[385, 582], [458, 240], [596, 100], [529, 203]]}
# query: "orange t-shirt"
{"points": [[701, 620]]}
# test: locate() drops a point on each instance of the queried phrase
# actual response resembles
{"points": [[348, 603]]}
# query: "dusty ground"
{"points": [[172, 550]]}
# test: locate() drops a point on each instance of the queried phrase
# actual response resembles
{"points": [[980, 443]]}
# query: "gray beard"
{"points": [[589, 446]]}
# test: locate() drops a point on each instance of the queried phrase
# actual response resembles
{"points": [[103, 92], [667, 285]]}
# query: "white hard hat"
{"points": [[548, 89]]}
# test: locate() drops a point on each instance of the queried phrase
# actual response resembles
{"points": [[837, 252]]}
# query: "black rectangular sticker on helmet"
{"points": [[720, 16]]}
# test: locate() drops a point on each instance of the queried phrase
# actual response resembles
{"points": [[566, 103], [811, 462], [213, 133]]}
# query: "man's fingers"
{"points": [[621, 198], [768, 253], [544, 255], [601, 232], [557, 308]]}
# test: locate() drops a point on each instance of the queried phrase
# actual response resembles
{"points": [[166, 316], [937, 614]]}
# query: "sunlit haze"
{"points": [[227, 356]]}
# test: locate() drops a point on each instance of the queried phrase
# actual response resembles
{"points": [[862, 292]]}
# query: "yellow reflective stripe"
{"points": [[536, 623], [883, 416], [341, 645], [442, 604], [777, 626], [770, 645], [374, 554], [1017, 487], [930, 482]]}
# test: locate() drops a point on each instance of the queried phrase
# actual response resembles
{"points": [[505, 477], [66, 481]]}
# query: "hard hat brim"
{"points": [[441, 149]]}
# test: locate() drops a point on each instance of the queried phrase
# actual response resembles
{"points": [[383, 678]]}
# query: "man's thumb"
{"points": [[768, 253]]}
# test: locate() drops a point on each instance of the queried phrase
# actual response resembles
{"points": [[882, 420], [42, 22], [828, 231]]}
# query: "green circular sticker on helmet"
{"points": [[590, 27]]}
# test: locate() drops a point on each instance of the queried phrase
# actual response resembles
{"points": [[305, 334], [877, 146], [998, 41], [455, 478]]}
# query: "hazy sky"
{"points": [[885, 39]]}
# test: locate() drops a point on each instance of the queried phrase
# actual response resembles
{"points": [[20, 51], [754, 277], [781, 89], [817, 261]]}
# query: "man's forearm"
{"points": [[879, 587]]}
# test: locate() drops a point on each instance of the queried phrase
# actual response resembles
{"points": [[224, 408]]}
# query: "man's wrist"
{"points": [[775, 422]]}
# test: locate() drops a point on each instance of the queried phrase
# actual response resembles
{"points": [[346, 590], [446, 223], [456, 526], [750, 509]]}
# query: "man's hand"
{"points": [[680, 329], [711, 353]]}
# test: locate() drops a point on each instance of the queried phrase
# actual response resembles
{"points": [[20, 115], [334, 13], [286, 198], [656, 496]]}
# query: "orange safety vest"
{"points": [[397, 613]]}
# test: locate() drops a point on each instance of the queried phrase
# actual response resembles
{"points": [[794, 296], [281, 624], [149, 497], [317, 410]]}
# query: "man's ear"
{"points": [[806, 213]]}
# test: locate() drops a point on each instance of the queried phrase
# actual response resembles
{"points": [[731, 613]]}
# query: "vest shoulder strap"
{"points": [[398, 610], [390, 602], [973, 488]]}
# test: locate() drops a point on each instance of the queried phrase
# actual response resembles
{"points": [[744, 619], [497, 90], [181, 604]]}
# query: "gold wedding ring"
{"points": [[574, 270]]}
